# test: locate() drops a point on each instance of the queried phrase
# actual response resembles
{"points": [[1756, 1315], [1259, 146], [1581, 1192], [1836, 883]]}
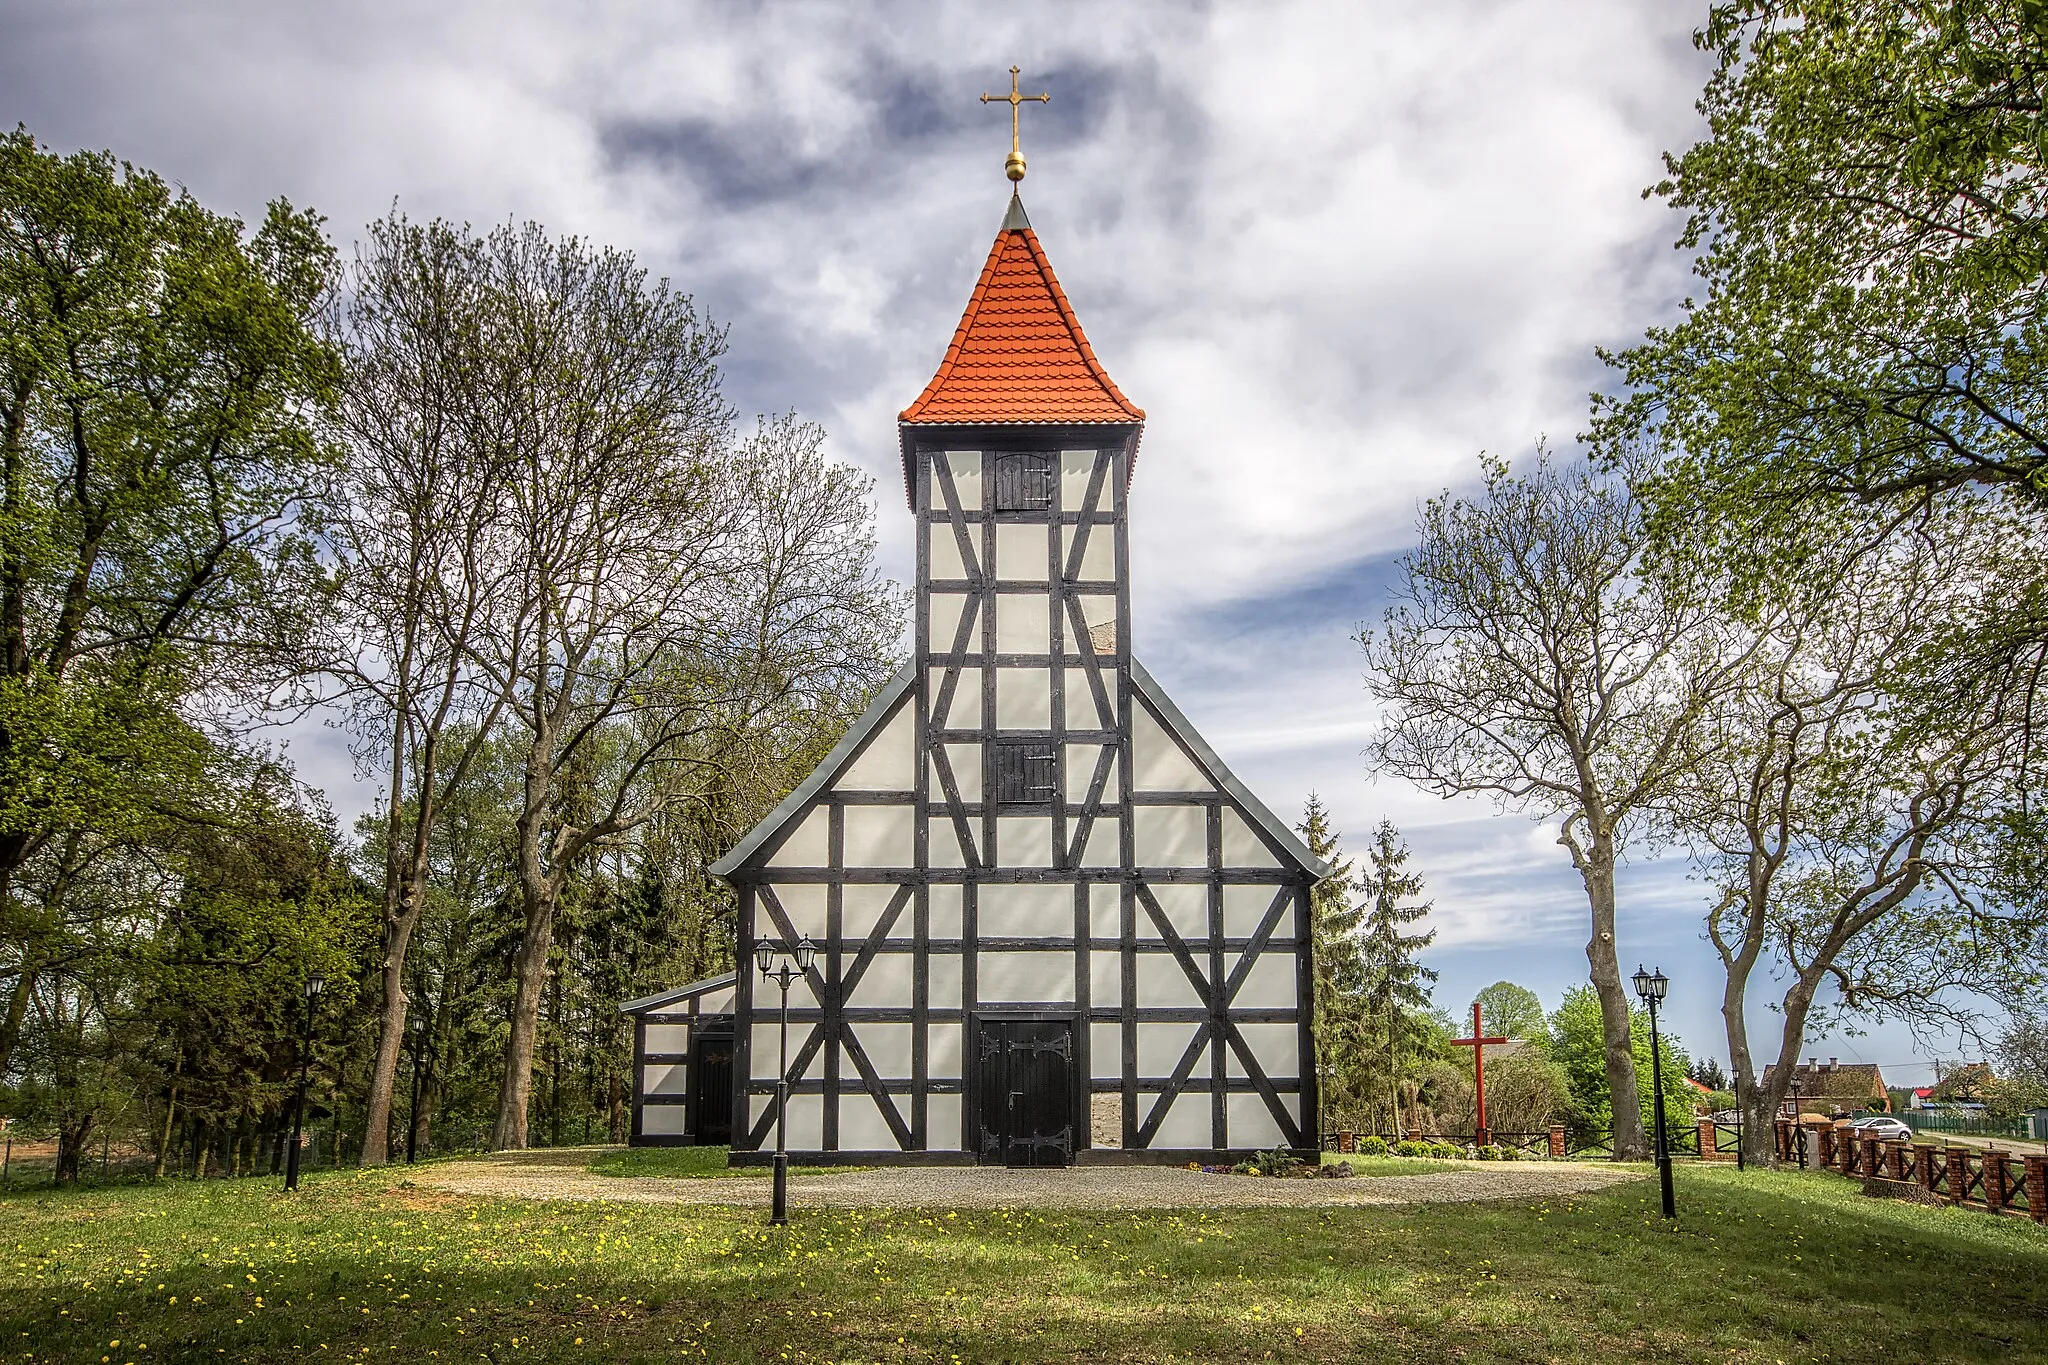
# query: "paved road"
{"points": [[546, 1176]]}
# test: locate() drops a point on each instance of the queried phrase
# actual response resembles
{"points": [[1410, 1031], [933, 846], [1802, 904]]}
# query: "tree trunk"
{"points": [[1597, 870], [163, 1146], [403, 871], [17, 1003], [72, 1134], [516, 1090]]}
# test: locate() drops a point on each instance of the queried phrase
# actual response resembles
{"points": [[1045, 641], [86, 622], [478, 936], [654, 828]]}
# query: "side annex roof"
{"points": [[1274, 828], [646, 1004], [793, 805]]}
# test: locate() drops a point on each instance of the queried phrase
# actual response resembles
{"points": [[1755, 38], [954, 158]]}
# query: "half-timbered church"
{"points": [[1050, 925]]}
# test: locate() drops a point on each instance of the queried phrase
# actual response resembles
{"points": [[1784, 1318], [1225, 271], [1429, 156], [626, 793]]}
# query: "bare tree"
{"points": [[416, 573], [1531, 655], [673, 586], [1841, 818]]}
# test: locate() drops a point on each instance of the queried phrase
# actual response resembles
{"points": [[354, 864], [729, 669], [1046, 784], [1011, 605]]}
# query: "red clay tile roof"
{"points": [[1019, 354]]}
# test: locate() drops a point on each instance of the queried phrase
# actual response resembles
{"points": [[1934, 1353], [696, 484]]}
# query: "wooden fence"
{"points": [[1989, 1179]]}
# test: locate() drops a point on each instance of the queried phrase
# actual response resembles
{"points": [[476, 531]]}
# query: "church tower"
{"points": [[1051, 926]]}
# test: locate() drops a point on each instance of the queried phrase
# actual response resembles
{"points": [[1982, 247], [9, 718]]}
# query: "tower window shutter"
{"points": [[1024, 773], [1023, 482]]}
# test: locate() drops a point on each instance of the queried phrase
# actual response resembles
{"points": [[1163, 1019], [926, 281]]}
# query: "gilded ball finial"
{"points": [[1013, 165]]}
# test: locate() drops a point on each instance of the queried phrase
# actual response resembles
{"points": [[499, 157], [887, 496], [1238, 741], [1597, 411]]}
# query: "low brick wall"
{"points": [[1989, 1179]]}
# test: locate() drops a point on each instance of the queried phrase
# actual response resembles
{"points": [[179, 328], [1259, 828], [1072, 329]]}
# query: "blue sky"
{"points": [[1336, 250]]}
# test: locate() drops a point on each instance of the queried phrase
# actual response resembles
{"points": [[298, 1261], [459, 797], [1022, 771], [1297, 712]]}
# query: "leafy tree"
{"points": [[1707, 1071], [1343, 1027], [1533, 655], [1396, 985], [1510, 1011], [1578, 1044]]}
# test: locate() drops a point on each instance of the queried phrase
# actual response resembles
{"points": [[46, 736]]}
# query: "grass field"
{"points": [[1761, 1267]]}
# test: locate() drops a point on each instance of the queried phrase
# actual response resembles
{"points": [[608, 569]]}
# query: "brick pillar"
{"points": [[1897, 1149], [1557, 1141], [1994, 1180], [1781, 1133], [2037, 1188], [1958, 1173], [1923, 1166], [1873, 1156], [1347, 1141], [1708, 1151]]}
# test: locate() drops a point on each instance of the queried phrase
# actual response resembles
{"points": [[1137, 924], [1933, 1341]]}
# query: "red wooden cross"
{"points": [[1478, 1042]]}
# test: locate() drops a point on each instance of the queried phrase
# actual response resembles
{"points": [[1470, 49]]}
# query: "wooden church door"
{"points": [[1025, 1091], [711, 1085]]}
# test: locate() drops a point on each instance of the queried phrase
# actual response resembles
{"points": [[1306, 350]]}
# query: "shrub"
{"points": [[1374, 1145], [1485, 1153], [1445, 1149], [1279, 1161], [1411, 1149], [1509, 1153]]}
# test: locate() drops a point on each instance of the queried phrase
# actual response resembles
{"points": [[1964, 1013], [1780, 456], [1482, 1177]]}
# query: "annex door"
{"points": [[1025, 1092], [711, 1085]]}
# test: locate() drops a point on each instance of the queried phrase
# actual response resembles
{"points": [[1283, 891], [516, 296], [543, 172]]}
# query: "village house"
{"points": [[1832, 1088]]}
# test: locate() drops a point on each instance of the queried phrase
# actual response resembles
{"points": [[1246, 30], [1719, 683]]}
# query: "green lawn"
{"points": [[684, 1163], [1791, 1267]]}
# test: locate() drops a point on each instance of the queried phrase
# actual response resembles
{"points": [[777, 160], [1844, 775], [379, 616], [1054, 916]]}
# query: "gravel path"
{"points": [[550, 1176]]}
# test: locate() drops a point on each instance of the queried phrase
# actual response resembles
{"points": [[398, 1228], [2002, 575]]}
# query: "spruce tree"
{"points": [[1340, 1019], [1396, 985]]}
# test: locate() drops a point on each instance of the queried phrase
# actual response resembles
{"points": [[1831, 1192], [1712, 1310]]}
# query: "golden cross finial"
{"points": [[1014, 166]]}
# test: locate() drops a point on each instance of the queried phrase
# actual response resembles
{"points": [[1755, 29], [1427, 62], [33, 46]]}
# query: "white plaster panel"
{"points": [[880, 836], [1271, 983], [965, 466], [806, 1121], [945, 561], [888, 980], [887, 1046], [1098, 555], [1186, 906], [889, 762], [965, 760], [1084, 712], [1021, 552], [1023, 699], [803, 902], [1105, 910], [1097, 608], [764, 1053], [942, 911], [1277, 1046], [1082, 758], [861, 906], [664, 1078], [1187, 1124], [1077, 467], [1170, 836], [942, 1051], [1023, 841], [663, 1120], [717, 1002], [1244, 909], [809, 844], [1023, 624], [1024, 977], [942, 844], [1106, 1051], [942, 1123], [1241, 846], [1105, 845], [668, 1038], [1105, 980], [1159, 1048], [946, 608], [965, 711], [862, 1127], [1162, 983], [1158, 763], [1028, 910], [1251, 1123], [942, 981]]}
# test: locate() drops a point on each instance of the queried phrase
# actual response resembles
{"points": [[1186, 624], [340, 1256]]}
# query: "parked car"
{"points": [[1884, 1126]]}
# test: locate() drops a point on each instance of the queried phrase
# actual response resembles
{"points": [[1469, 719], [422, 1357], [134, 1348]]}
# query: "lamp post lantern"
{"points": [[783, 965], [1651, 990], [316, 981]]}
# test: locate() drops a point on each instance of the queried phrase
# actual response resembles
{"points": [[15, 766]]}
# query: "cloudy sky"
{"points": [[1335, 251]]}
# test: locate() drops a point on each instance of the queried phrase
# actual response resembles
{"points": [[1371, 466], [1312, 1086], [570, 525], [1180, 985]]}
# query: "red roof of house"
{"points": [[1019, 355]]}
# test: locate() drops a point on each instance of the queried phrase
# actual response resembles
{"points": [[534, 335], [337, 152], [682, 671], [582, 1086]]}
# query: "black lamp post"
{"points": [[315, 982], [782, 966], [1651, 990], [412, 1119]]}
